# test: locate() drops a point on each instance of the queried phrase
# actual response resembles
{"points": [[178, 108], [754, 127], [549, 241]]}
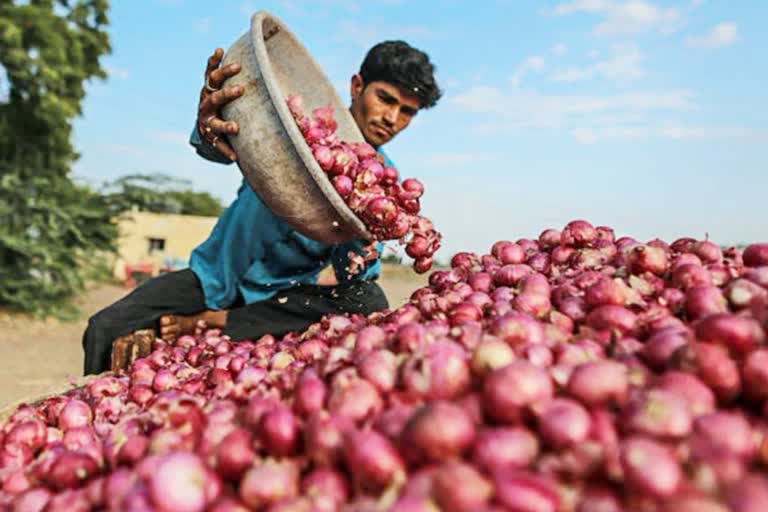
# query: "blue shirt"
{"points": [[252, 254]]}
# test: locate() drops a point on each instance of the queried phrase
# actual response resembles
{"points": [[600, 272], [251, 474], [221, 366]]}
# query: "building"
{"points": [[152, 242]]}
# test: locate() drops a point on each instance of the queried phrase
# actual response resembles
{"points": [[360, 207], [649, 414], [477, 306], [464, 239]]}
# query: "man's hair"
{"points": [[398, 63]]}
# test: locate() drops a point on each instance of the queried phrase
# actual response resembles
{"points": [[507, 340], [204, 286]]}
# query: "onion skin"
{"points": [[533, 383], [438, 431], [650, 467]]}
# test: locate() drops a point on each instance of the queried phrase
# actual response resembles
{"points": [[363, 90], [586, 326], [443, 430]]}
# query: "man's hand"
{"points": [[213, 97]]}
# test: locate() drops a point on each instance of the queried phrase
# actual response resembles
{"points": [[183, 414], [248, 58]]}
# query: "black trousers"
{"points": [[180, 293]]}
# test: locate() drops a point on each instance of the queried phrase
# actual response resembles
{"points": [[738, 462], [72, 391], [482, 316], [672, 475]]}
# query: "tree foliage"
{"points": [[52, 228], [161, 193]]}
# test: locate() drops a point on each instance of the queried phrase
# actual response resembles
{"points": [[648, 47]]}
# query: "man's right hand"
{"points": [[210, 126]]}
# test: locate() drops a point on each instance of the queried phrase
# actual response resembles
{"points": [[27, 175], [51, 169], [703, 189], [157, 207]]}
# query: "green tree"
{"points": [[52, 228], [161, 193]]}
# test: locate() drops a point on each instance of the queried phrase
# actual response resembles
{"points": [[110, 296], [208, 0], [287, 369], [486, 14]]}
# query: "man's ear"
{"points": [[356, 86]]}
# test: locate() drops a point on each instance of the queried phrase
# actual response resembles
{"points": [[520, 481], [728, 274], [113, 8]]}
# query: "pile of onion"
{"points": [[388, 206], [573, 372]]}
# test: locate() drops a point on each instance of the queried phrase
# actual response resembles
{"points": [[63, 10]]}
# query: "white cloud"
{"points": [[559, 49], [534, 63], [117, 72], [584, 135], [722, 34], [172, 137], [125, 150], [457, 159], [509, 110], [666, 130], [629, 17], [581, 6], [624, 64]]}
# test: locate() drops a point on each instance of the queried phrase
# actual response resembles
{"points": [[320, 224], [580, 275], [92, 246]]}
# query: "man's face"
{"points": [[381, 110]]}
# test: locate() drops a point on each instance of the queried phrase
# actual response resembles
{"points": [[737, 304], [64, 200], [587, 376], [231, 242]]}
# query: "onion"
{"points": [[700, 398], [75, 413], [310, 393], [613, 318], [742, 293], [278, 431], [646, 258], [739, 334], [327, 489], [372, 459], [650, 467], [578, 233], [713, 366], [472, 494], [605, 291], [440, 372], [380, 368], [723, 432], [523, 492], [71, 469], [268, 482], [357, 400], [659, 413], [498, 449], [235, 454], [438, 431], [755, 374], [518, 328], [599, 382], [563, 423], [549, 238], [532, 385]]}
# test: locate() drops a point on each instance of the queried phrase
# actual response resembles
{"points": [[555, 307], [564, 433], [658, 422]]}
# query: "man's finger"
{"points": [[213, 61], [225, 95], [218, 76], [221, 127], [225, 149]]}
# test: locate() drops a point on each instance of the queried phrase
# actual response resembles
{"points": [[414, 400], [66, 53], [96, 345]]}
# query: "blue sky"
{"points": [[644, 115]]}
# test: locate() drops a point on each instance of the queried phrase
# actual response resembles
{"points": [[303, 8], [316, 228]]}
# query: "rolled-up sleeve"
{"points": [[205, 150]]}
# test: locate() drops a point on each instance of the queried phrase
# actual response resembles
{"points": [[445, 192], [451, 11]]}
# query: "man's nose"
{"points": [[390, 116]]}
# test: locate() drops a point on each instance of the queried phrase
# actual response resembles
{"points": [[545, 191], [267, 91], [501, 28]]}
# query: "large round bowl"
{"points": [[272, 154]]}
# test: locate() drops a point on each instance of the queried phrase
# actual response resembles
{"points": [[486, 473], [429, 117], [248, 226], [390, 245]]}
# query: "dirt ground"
{"points": [[41, 356]]}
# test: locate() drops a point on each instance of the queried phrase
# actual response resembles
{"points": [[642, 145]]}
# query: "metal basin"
{"points": [[272, 154]]}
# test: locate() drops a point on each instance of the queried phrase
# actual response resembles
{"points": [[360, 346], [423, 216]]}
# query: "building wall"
{"points": [[180, 233]]}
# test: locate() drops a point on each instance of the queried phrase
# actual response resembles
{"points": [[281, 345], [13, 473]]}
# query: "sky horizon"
{"points": [[646, 116]]}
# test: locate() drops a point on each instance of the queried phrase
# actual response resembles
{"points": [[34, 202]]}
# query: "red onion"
{"points": [[268, 482], [75, 413], [650, 467], [327, 489], [563, 423], [440, 372], [599, 382], [549, 238], [372, 459], [498, 449], [524, 492], [578, 233], [70, 470], [659, 413], [473, 492], [532, 385], [438, 431], [739, 334]]}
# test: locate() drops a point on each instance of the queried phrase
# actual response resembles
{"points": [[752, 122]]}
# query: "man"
{"points": [[255, 275]]}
